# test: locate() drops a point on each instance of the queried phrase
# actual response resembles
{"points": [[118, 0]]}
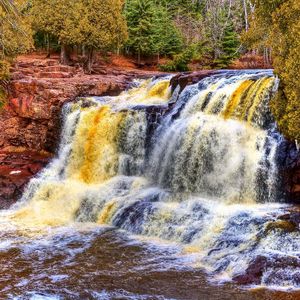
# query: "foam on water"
{"points": [[197, 169]]}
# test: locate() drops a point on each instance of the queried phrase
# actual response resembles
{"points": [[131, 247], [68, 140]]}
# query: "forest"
{"points": [[173, 34]]}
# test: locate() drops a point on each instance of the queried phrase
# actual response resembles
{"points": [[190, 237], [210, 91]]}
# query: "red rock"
{"points": [[16, 169], [54, 75]]}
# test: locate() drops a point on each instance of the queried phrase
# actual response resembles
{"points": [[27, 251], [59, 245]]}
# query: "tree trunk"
{"points": [[89, 61], [83, 51], [64, 55], [246, 15], [48, 46], [139, 57]]}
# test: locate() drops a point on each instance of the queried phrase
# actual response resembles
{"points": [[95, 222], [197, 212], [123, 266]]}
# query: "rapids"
{"points": [[196, 169]]}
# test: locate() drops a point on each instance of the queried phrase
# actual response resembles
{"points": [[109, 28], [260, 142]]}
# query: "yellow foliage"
{"points": [[93, 23], [285, 41], [276, 25], [16, 34]]}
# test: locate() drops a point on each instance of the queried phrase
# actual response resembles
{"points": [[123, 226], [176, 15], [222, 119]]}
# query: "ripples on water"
{"points": [[103, 263]]}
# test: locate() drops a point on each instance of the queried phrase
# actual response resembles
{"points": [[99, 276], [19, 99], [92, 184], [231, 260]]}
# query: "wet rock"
{"points": [[284, 225], [253, 273], [185, 79], [289, 169], [16, 169], [292, 217]]}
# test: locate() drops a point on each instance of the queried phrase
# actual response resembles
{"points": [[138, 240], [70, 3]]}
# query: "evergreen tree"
{"points": [[95, 24], [230, 44], [139, 15], [151, 29], [166, 38], [102, 26]]}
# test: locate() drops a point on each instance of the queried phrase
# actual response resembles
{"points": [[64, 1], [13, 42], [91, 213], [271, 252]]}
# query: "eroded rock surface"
{"points": [[30, 121], [16, 169], [39, 88]]}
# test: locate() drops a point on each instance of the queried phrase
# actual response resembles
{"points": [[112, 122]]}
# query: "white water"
{"points": [[201, 174]]}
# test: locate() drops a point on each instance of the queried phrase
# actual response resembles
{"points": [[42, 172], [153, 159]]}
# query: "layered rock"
{"points": [[16, 169], [38, 90], [30, 122]]}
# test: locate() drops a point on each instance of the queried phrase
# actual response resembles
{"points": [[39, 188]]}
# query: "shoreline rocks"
{"points": [[16, 169]]}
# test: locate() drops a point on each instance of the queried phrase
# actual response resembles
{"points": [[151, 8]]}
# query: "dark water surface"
{"points": [[104, 263]]}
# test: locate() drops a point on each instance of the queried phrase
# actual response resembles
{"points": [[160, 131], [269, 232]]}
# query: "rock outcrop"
{"points": [[30, 121], [290, 170], [39, 88], [16, 169]]}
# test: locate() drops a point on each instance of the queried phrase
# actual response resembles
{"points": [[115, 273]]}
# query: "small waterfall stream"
{"points": [[197, 168]]}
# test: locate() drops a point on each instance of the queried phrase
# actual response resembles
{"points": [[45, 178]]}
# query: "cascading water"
{"points": [[197, 168]]}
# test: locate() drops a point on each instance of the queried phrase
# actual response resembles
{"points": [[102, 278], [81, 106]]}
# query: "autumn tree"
{"points": [[15, 37], [94, 24], [15, 29], [275, 25], [285, 43]]}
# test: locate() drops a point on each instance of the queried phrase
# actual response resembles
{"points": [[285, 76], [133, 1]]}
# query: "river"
{"points": [[159, 194]]}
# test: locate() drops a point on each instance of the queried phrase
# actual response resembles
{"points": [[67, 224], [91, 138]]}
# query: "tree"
{"points": [[285, 43], [275, 25], [14, 28], [166, 38], [151, 29], [139, 15], [230, 46], [15, 37], [95, 24], [58, 18]]}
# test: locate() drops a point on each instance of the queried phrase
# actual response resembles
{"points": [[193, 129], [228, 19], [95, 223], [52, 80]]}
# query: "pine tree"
{"points": [[139, 15], [230, 44], [151, 29], [166, 38]]}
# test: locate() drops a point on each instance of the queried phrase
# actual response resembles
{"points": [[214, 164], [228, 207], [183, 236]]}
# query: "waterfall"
{"points": [[198, 168]]}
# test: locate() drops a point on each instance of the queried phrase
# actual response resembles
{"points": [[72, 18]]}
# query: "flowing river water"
{"points": [[157, 194]]}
